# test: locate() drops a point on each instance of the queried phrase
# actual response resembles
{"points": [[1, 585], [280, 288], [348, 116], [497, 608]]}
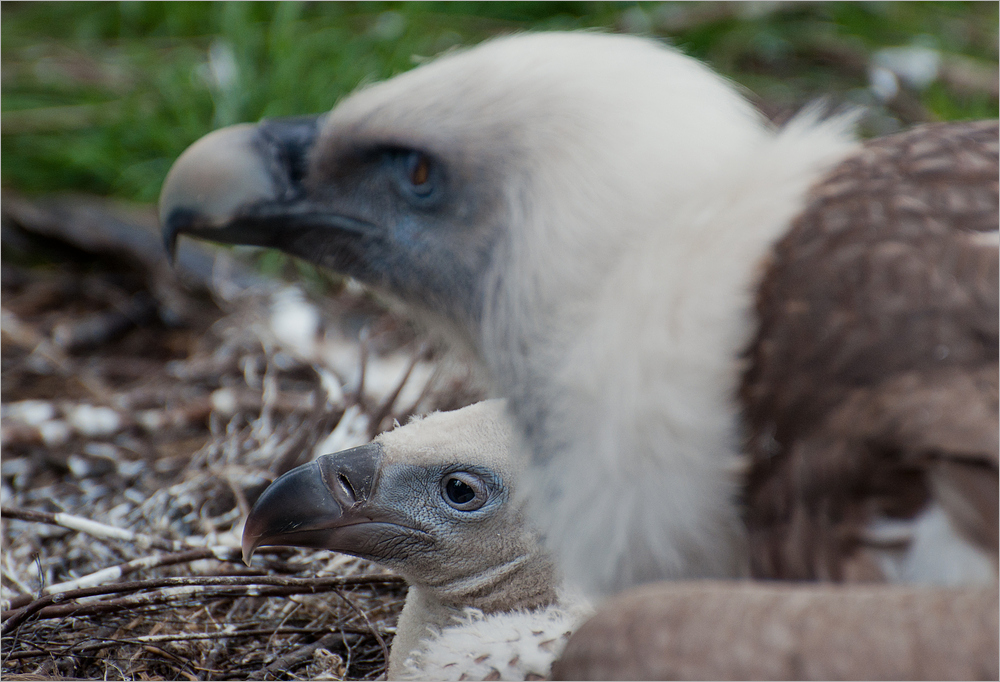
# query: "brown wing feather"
{"points": [[872, 382], [711, 630]]}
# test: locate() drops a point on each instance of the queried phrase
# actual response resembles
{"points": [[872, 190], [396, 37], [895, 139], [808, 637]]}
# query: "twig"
{"points": [[296, 450], [94, 528], [378, 637], [102, 227], [172, 660], [222, 553], [26, 336], [9, 575], [189, 637], [290, 660], [429, 385], [363, 360], [386, 407], [52, 606], [103, 327], [113, 573]]}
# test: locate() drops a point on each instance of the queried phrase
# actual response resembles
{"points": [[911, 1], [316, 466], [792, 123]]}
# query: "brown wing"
{"points": [[872, 381], [710, 630]]}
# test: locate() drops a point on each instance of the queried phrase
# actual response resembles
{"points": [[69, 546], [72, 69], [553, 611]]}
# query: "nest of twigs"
{"points": [[142, 418]]}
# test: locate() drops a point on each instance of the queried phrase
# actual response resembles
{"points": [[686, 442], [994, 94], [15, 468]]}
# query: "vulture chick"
{"points": [[726, 347], [433, 501]]}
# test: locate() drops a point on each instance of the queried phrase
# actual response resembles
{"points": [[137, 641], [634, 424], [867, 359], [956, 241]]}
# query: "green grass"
{"points": [[102, 97]]}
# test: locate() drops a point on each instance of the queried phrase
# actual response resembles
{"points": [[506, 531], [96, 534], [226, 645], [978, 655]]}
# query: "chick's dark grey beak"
{"points": [[306, 506], [230, 185]]}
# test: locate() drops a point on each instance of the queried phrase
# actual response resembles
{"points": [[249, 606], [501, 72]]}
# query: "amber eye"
{"points": [[418, 169]]}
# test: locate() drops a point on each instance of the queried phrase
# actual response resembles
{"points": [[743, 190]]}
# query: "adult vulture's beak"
{"points": [[234, 184]]}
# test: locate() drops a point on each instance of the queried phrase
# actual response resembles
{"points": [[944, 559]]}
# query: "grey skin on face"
{"points": [[432, 500], [390, 214]]}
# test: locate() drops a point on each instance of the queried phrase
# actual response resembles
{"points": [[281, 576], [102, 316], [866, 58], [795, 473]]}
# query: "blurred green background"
{"points": [[102, 97]]}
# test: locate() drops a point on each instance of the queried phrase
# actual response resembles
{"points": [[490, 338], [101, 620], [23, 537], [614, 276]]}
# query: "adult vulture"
{"points": [[729, 348]]}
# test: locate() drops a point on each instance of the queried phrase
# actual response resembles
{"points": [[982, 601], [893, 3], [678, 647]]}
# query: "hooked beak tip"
{"points": [[170, 244], [248, 551], [176, 222], [252, 539]]}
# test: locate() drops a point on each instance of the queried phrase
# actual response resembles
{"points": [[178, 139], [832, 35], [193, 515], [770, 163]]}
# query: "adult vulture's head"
{"points": [[549, 197], [593, 215], [446, 184]]}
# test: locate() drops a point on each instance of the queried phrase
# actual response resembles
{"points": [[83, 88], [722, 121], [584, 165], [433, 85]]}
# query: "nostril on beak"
{"points": [[348, 489], [351, 475]]}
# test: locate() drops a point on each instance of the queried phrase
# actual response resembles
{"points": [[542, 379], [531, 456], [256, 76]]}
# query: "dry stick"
{"points": [[390, 400], [241, 499], [222, 553], [99, 530], [363, 359], [9, 575], [378, 637], [259, 632], [105, 326], [435, 375], [290, 660], [294, 451], [151, 420], [113, 573], [52, 606], [172, 660], [154, 639], [28, 337]]}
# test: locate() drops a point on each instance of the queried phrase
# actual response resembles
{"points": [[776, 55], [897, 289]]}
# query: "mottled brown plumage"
{"points": [[872, 383], [779, 631]]}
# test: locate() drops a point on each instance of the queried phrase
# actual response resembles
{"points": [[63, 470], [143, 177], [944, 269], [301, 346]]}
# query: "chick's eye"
{"points": [[464, 492], [459, 492]]}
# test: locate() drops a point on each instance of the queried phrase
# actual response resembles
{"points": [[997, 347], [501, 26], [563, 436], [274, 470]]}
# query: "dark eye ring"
{"points": [[463, 491]]}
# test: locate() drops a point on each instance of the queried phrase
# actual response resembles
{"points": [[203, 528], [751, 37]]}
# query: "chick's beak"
{"points": [[308, 505]]}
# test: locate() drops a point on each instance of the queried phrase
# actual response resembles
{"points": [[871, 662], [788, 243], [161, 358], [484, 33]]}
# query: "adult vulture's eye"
{"points": [[419, 173], [464, 491]]}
